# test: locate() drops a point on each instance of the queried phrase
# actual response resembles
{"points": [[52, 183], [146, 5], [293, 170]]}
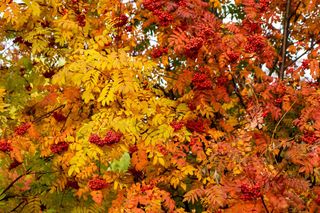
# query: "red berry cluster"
{"points": [[305, 64], [49, 74], [162, 149], [201, 82], [252, 27], [309, 137], [317, 200], [192, 106], [151, 5], [110, 138], [72, 184], [59, 117], [192, 47], [147, 187], [164, 17], [195, 126], [290, 70], [5, 146], [233, 56], [250, 192], [97, 184], [14, 164], [255, 44], [205, 32], [81, 19], [222, 80], [133, 149], [278, 101], [158, 52], [263, 5], [177, 125], [121, 20], [59, 147], [22, 129], [195, 142]]}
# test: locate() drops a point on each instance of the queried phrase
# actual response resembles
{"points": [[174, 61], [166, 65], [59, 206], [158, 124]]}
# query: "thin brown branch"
{"points": [[286, 24], [14, 181], [305, 52], [48, 113]]}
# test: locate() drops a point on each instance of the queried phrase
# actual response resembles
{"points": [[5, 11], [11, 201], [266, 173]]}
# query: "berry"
{"points": [[95, 138], [195, 126], [165, 18], [201, 81], [176, 125], [192, 47], [72, 184], [133, 149], [22, 129], [59, 117], [309, 138], [250, 192], [305, 64], [255, 44], [14, 164], [97, 184], [81, 20], [112, 137], [121, 20], [49, 74], [233, 56], [59, 147], [162, 149], [158, 52], [5, 146]]}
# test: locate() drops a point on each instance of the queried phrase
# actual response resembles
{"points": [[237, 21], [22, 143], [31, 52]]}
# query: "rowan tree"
{"points": [[159, 106]]}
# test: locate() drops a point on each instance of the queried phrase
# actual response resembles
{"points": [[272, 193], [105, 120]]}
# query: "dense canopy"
{"points": [[159, 106]]}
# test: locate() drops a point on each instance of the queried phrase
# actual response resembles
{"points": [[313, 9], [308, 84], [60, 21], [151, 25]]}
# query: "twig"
{"points": [[285, 39], [64, 124], [48, 113], [14, 181], [307, 50], [15, 208], [264, 204], [275, 129]]}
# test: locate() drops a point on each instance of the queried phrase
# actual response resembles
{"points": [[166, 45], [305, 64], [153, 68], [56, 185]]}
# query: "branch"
{"points": [[285, 39], [64, 124], [264, 204], [14, 181], [307, 50], [48, 113]]}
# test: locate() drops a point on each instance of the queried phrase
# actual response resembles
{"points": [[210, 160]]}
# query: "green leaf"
{"points": [[122, 164]]}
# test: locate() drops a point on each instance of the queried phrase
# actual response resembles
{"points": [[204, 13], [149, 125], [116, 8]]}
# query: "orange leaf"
{"points": [[97, 196]]}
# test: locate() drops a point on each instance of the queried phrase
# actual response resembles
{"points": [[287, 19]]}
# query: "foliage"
{"points": [[159, 106]]}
